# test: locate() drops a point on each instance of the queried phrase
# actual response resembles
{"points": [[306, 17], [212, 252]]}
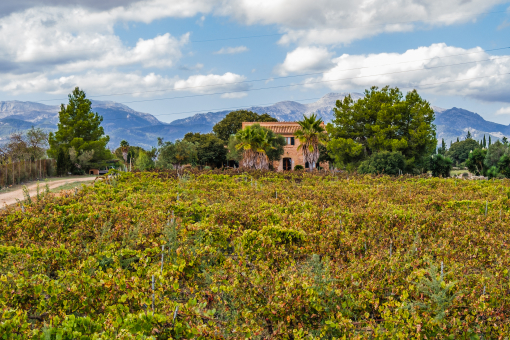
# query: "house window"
{"points": [[307, 165], [289, 140], [287, 164]]}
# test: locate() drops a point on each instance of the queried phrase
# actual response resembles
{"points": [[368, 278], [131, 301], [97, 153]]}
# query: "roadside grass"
{"points": [[69, 186]]}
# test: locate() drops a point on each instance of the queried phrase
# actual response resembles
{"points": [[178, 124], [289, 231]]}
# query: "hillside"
{"points": [[143, 129]]}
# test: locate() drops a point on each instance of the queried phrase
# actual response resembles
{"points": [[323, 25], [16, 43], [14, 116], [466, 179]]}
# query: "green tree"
{"points": [[383, 121], [468, 135], [476, 161], [504, 165], [233, 122], [124, 148], [37, 142], [440, 166], [384, 162], [174, 155], [324, 155], [210, 149], [311, 134], [254, 140], [64, 164], [490, 140], [442, 149], [80, 128], [459, 151], [493, 172], [274, 150], [484, 143], [494, 154], [144, 162]]}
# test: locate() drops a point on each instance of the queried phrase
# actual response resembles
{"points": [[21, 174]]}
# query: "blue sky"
{"points": [[212, 52]]}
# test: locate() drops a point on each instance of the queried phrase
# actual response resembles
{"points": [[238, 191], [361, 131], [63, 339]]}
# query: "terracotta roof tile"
{"points": [[282, 128], [278, 127]]}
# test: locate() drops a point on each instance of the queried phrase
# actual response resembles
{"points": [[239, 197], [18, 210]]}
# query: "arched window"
{"points": [[307, 165]]}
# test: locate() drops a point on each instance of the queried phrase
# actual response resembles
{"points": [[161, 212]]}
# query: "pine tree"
{"points": [[79, 128]]}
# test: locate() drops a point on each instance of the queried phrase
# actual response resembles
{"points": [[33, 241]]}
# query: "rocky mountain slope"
{"points": [[143, 129]]}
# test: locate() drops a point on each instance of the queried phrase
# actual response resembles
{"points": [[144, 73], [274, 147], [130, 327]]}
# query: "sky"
{"points": [[175, 58]]}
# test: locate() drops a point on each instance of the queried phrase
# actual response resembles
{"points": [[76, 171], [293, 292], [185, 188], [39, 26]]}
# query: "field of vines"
{"points": [[259, 255]]}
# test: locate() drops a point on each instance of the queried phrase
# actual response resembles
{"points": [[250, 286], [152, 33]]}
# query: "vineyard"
{"points": [[259, 255]]}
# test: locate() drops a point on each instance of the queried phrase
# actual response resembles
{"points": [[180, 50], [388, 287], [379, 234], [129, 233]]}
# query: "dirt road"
{"points": [[10, 197]]}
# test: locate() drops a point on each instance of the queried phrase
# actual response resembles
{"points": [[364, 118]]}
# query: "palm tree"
{"points": [[254, 140], [311, 135], [124, 146]]}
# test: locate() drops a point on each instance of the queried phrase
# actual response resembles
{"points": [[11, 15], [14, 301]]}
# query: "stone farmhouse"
{"points": [[291, 156]]}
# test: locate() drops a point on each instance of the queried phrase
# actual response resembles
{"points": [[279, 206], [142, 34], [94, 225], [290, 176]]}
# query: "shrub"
{"points": [[299, 167], [476, 161], [384, 162], [492, 172], [144, 162], [504, 165], [494, 153], [440, 166]]}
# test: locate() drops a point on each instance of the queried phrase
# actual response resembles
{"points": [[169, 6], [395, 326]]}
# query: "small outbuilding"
{"points": [[94, 172]]}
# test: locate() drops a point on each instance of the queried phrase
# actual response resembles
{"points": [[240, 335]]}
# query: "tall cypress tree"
{"points": [[489, 140], [484, 142], [457, 139]]}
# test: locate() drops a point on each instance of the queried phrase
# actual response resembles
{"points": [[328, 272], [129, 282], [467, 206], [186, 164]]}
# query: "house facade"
{"points": [[291, 155]]}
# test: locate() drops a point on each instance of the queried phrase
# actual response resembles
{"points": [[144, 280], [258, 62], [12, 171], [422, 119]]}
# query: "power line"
{"points": [[422, 86], [283, 77], [306, 83]]}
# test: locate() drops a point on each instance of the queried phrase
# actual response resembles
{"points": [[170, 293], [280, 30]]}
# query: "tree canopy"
{"points": [[233, 122], [173, 155], [210, 149], [459, 151], [384, 120], [79, 128]]}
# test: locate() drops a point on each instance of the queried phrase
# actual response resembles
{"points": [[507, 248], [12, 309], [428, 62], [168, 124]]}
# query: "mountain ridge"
{"points": [[142, 129]]}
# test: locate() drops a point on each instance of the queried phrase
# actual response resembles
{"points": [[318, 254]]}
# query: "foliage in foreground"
{"points": [[259, 255]]}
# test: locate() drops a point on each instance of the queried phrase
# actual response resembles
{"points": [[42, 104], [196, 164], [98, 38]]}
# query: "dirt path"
{"points": [[10, 197]]}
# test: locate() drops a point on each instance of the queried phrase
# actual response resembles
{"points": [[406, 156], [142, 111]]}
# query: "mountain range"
{"points": [[143, 129]]}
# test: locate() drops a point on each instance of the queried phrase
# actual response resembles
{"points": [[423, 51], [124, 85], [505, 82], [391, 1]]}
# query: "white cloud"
{"points": [[332, 21], [487, 76], [503, 111], [232, 50], [213, 83], [141, 85], [234, 95], [56, 41], [305, 59]]}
